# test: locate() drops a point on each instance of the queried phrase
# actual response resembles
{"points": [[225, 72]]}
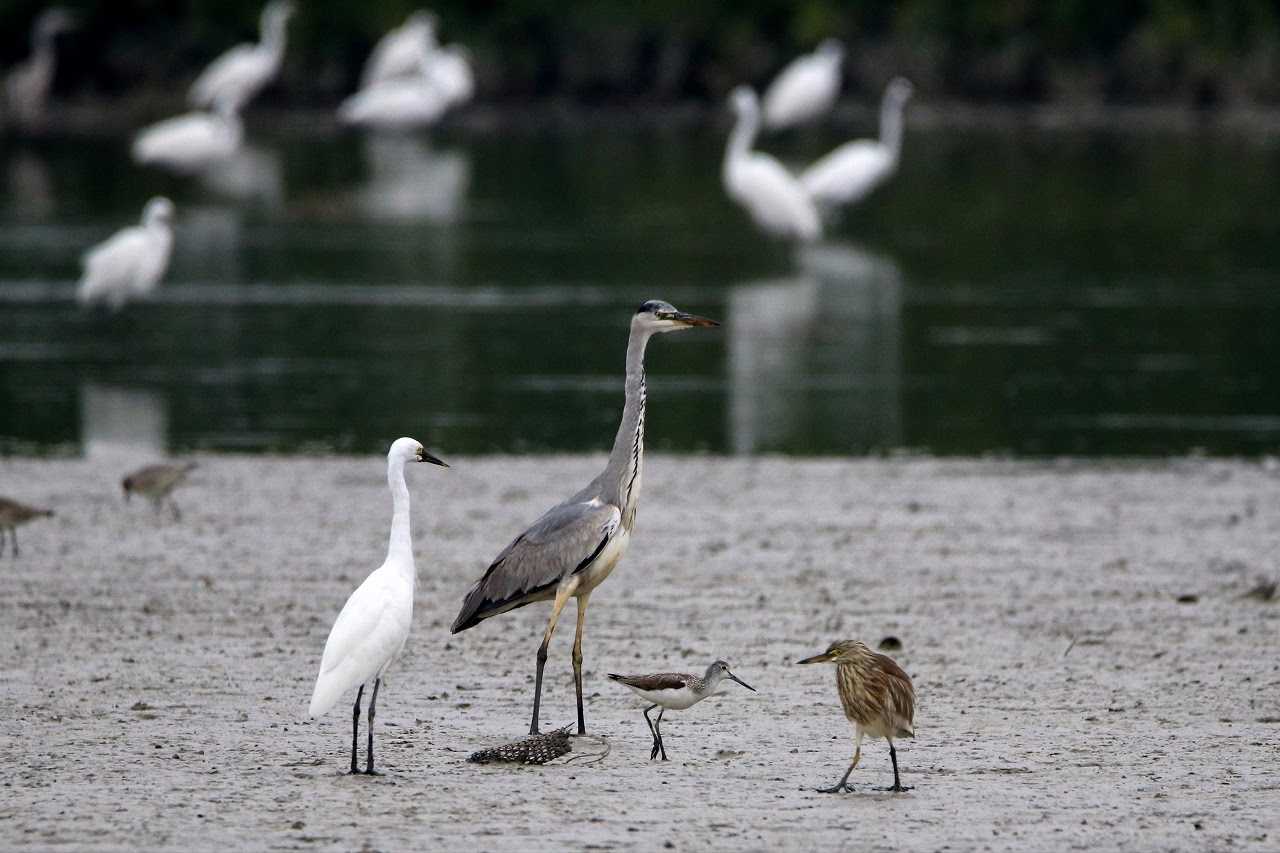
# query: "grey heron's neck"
{"points": [[621, 477], [400, 546], [891, 123]]}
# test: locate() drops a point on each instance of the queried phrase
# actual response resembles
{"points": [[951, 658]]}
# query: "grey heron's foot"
{"points": [[533, 730], [899, 788], [838, 788]]}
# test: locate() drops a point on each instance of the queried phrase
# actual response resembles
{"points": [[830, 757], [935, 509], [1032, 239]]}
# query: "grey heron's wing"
{"points": [[564, 541]]}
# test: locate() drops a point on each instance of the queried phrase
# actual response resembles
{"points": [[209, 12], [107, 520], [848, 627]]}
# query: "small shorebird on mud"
{"points": [[675, 691]]}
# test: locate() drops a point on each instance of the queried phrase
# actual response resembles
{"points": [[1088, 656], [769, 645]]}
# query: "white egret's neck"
{"points": [[273, 35], [621, 477], [891, 109], [743, 136], [400, 547]]}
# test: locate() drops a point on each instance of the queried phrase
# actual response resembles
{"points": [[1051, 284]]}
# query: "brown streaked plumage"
{"points": [[156, 482], [878, 699], [13, 515]]}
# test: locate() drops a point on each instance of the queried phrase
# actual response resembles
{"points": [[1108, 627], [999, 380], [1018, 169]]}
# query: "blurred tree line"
{"points": [[1191, 52]]}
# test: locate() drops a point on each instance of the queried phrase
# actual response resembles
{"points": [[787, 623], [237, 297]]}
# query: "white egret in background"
{"points": [[805, 89], [131, 262], [449, 69], [371, 630], [399, 53], [758, 182], [397, 104], [234, 78], [190, 142], [849, 173], [27, 86]]}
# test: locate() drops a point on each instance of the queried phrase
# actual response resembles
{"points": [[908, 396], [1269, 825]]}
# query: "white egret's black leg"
{"points": [[562, 597], [657, 727], [897, 783], [654, 753], [355, 729], [373, 704]]}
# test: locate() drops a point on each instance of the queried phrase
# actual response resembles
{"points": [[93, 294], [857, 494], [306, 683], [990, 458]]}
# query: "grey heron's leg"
{"points": [[897, 784], [373, 703], [355, 729], [654, 753], [562, 598], [657, 727], [577, 658]]}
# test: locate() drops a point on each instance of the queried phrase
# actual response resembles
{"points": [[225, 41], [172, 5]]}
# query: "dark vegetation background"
{"points": [[1196, 53]]}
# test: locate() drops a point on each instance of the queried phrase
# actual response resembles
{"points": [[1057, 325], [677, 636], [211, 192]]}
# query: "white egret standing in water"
{"points": [[449, 69], [373, 626], [805, 89], [132, 261], [234, 78], [758, 182], [850, 172], [399, 53], [192, 141], [27, 86]]}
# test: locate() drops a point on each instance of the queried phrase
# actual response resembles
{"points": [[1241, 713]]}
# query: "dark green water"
{"points": [[1026, 293]]}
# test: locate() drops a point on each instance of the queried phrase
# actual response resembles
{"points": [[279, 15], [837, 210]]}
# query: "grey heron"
{"points": [[675, 691], [574, 546]]}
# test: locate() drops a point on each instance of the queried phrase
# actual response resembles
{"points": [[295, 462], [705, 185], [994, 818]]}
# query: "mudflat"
{"points": [[1091, 669]]}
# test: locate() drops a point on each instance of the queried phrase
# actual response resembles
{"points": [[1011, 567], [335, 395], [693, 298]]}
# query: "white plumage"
{"points": [[234, 78], [371, 630], [132, 261], [449, 69], [850, 172], [774, 198], [190, 142], [399, 53], [397, 104], [805, 89]]}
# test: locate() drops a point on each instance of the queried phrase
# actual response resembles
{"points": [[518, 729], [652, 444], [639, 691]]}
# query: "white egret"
{"points": [[758, 182], [806, 89], [850, 172], [190, 142], [131, 262], [371, 630], [449, 69], [399, 53], [27, 86], [397, 104], [234, 78]]}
